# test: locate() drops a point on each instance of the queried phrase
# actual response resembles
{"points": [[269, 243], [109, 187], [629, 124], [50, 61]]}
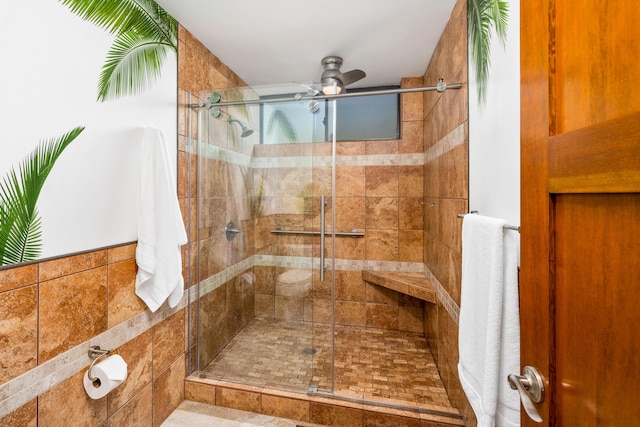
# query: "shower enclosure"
{"points": [[288, 216]]}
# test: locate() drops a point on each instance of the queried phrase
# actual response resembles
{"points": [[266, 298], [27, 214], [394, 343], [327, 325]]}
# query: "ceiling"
{"points": [[283, 41]]}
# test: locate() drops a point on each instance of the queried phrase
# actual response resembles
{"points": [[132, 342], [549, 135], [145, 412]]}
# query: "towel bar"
{"points": [[507, 226]]}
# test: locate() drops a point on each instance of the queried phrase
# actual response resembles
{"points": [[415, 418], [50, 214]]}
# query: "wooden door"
{"points": [[580, 212]]}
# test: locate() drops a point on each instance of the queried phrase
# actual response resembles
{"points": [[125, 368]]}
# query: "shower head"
{"points": [[246, 130], [216, 112]]}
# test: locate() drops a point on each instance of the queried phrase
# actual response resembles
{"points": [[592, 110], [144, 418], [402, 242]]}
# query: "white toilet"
{"points": [[295, 282]]}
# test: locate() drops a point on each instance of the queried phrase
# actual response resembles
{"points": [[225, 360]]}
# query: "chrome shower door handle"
{"points": [[323, 204], [531, 389]]}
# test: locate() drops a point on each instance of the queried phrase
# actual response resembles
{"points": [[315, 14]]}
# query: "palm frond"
{"points": [[20, 232], [482, 17], [119, 16], [133, 65], [280, 120], [144, 31], [500, 18]]}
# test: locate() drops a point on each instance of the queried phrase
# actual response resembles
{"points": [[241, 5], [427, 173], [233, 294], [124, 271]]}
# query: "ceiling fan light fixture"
{"points": [[333, 80], [331, 86]]}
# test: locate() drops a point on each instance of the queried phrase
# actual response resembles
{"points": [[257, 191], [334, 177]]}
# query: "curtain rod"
{"points": [[439, 88]]}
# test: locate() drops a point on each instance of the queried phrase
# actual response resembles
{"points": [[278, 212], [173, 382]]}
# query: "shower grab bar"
{"points": [[354, 233], [323, 204], [507, 226]]}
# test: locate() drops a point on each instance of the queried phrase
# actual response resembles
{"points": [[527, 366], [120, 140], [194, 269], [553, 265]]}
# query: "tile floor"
{"points": [[194, 414], [372, 364]]}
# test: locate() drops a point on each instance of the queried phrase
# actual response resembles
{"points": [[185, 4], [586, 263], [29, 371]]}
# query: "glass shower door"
{"points": [[265, 315]]}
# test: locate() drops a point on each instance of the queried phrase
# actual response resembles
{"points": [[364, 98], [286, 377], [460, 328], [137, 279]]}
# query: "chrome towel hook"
{"points": [[95, 353]]}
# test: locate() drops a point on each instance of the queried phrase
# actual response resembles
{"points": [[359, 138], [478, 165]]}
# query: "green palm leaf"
{"points": [[145, 33], [132, 66], [119, 16], [20, 233], [482, 17]]}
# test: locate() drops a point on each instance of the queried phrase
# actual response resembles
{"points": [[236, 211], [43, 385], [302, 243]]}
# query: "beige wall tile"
{"points": [[350, 313], [289, 308], [371, 419], [412, 138], [381, 181], [19, 332], [350, 181], [382, 316], [410, 246], [336, 416], [381, 212], [168, 391], [381, 245], [411, 106], [379, 295], [321, 310], [137, 412], [411, 181], [411, 213], [18, 277], [138, 354], [350, 213], [168, 342], [24, 416], [121, 253], [67, 404], [72, 309], [68, 265], [238, 399], [200, 392], [349, 286], [285, 407], [265, 305], [411, 319], [123, 303], [382, 147]]}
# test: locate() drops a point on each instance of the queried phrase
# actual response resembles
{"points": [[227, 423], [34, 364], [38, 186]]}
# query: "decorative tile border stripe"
{"points": [[284, 162], [446, 144], [31, 384], [443, 296], [219, 153], [410, 159], [211, 283], [212, 151]]}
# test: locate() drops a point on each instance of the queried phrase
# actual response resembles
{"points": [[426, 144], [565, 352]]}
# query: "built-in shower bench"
{"points": [[413, 284]]}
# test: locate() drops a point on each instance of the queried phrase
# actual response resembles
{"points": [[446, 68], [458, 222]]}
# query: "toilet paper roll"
{"points": [[108, 374]]}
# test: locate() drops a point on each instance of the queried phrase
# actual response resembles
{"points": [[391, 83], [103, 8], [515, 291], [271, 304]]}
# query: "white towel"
{"points": [[489, 334], [160, 228]]}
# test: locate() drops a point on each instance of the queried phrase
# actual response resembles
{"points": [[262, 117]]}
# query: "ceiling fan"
{"points": [[333, 80]]}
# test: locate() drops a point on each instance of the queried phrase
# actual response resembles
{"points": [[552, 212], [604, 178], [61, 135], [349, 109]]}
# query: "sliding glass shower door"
{"points": [[265, 302]]}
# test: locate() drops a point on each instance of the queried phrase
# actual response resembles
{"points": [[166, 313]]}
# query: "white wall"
{"points": [[48, 86], [494, 130]]}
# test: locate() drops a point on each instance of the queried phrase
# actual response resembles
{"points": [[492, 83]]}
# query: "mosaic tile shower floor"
{"points": [[373, 364]]}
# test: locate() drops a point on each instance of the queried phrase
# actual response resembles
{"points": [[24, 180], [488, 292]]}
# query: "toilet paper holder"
{"points": [[95, 353]]}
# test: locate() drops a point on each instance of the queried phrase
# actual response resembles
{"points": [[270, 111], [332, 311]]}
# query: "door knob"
{"points": [[531, 389]]}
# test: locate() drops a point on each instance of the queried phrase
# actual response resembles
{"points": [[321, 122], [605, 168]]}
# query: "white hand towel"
{"points": [[161, 230], [489, 330]]}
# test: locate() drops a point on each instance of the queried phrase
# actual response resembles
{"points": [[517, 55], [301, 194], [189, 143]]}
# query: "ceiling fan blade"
{"points": [[352, 76]]}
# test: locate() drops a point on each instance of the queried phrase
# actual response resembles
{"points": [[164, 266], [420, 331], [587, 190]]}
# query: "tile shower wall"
{"points": [[224, 198], [446, 194], [379, 190]]}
